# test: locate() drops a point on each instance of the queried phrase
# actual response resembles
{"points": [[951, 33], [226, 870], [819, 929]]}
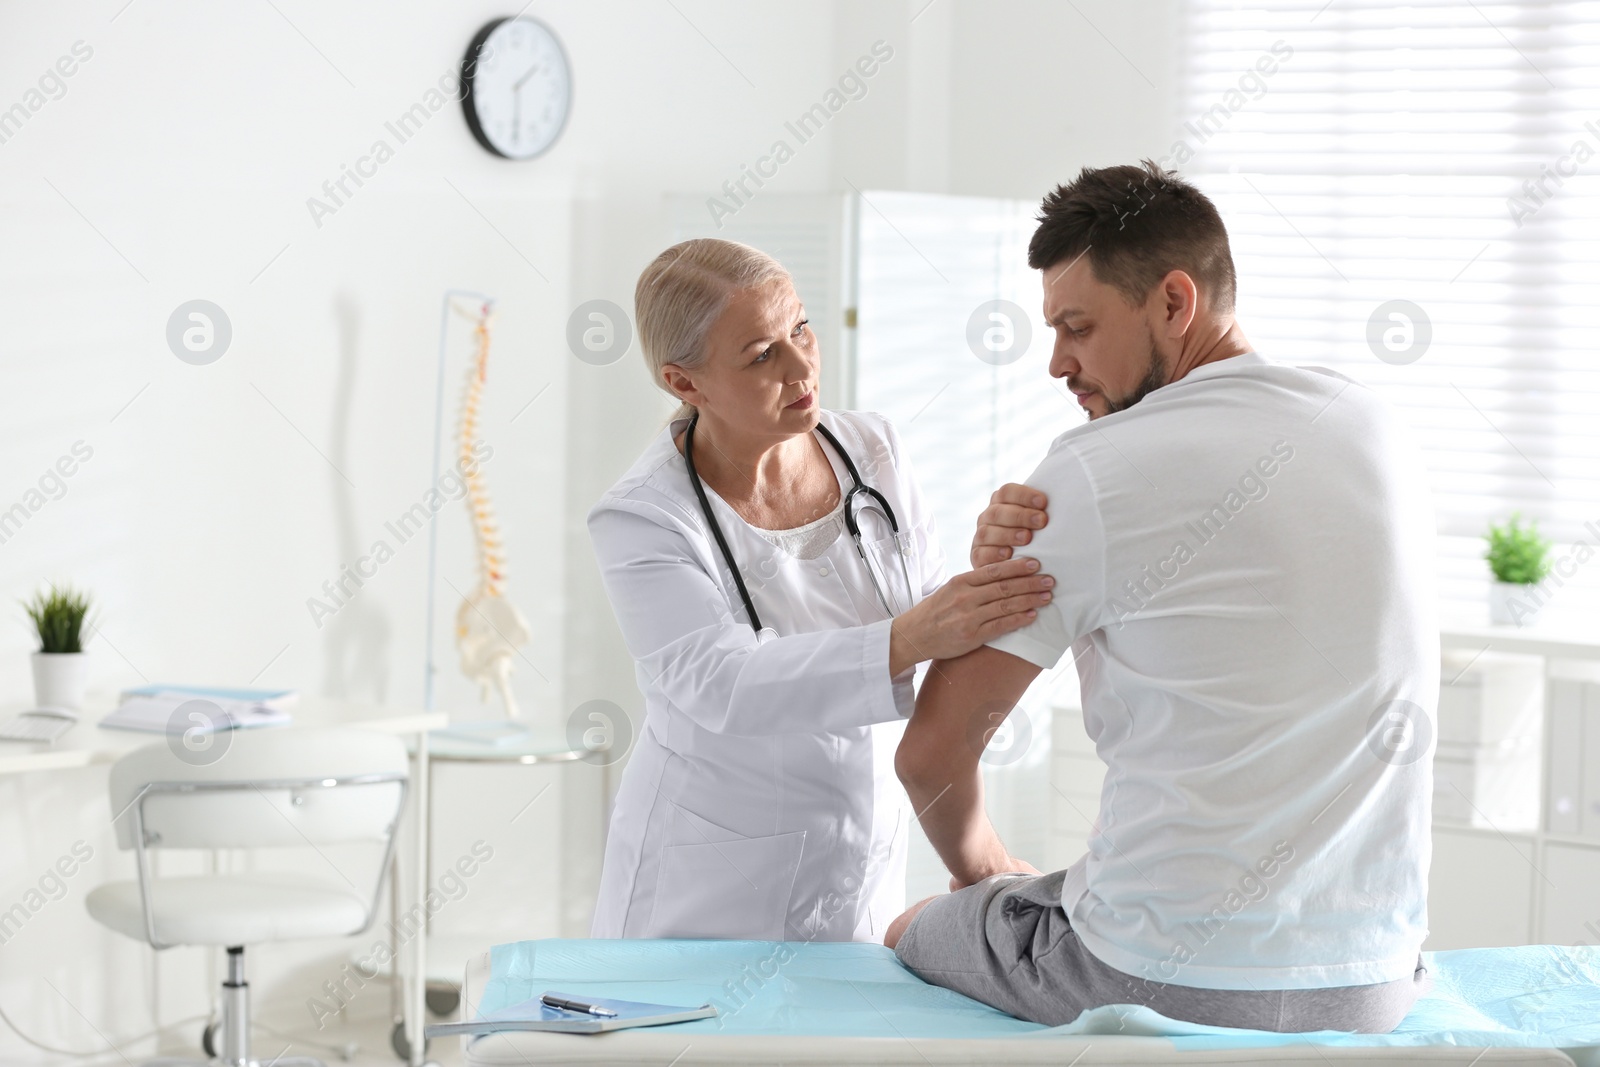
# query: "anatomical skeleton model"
{"points": [[489, 628]]}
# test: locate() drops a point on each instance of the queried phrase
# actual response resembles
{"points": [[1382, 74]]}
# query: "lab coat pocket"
{"points": [[738, 887]]}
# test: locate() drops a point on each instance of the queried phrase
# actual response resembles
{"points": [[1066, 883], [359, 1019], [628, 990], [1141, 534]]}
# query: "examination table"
{"points": [[843, 1003]]}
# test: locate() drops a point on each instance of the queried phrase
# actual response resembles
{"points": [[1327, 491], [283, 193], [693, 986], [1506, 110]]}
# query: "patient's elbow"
{"points": [[918, 762]]}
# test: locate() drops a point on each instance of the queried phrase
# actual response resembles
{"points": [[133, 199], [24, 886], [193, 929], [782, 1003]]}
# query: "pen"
{"points": [[575, 1005]]}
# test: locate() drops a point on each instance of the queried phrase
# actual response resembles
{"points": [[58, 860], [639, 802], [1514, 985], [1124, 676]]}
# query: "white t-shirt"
{"points": [[1244, 564]]}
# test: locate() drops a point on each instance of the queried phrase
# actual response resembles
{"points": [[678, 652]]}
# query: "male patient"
{"points": [[1243, 554]]}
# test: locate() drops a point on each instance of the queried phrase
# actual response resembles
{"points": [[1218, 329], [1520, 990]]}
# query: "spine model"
{"points": [[489, 628], [491, 552]]}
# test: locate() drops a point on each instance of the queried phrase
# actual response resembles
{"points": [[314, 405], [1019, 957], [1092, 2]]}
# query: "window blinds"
{"points": [[1410, 193]]}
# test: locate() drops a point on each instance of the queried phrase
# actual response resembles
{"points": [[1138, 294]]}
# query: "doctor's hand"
{"points": [[1012, 864], [968, 611], [1014, 512]]}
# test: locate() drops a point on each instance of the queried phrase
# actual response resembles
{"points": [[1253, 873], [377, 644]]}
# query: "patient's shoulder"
{"points": [[1072, 455]]}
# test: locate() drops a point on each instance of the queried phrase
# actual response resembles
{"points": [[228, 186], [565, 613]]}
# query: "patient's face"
{"points": [[1104, 348], [761, 359]]}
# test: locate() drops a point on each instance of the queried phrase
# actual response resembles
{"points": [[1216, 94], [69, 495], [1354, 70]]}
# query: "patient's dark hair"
{"points": [[1136, 224]]}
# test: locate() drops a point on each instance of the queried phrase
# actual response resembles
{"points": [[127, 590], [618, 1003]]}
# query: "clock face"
{"points": [[519, 87]]}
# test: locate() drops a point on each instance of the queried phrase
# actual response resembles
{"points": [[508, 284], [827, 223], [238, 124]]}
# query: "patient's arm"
{"points": [[961, 703]]}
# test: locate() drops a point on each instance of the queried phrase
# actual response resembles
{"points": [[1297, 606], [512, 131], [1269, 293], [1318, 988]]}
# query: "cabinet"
{"points": [[1480, 889], [1486, 765], [1528, 871], [1571, 912]]}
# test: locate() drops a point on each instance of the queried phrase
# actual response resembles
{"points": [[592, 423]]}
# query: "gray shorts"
{"points": [[1006, 941]]}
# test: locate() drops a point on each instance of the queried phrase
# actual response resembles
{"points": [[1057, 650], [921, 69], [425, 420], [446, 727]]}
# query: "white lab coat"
{"points": [[760, 800]]}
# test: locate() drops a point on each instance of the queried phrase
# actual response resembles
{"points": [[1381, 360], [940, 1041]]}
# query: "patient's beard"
{"points": [[1155, 376]]}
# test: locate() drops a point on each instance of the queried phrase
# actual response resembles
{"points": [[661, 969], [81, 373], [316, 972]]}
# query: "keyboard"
{"points": [[29, 727]]}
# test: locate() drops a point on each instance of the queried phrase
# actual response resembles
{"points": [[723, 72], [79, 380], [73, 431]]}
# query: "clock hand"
{"points": [[516, 103]]}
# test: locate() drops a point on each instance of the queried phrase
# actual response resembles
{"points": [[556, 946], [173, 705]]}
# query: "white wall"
{"points": [[219, 498]]}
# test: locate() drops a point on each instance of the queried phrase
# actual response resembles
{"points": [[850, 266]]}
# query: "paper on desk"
{"points": [[272, 698], [158, 713]]}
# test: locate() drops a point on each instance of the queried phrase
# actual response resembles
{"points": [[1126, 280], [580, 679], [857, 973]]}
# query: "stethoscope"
{"points": [[860, 496]]}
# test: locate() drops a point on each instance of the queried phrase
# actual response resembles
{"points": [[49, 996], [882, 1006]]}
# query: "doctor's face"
{"points": [[761, 368], [1104, 348]]}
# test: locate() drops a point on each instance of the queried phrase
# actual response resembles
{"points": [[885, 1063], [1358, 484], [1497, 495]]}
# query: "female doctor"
{"points": [[776, 577]]}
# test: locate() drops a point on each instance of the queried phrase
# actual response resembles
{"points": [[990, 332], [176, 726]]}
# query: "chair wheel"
{"points": [[443, 1000], [208, 1039], [402, 1047]]}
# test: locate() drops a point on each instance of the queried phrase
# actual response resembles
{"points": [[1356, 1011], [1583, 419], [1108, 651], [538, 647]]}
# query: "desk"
{"points": [[1529, 640], [86, 744]]}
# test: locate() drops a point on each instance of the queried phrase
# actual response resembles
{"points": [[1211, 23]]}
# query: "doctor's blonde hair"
{"points": [[681, 293]]}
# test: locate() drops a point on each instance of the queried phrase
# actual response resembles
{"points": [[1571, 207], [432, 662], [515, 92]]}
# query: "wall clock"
{"points": [[516, 87]]}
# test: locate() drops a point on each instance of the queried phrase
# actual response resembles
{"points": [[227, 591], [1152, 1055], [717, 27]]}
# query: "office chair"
{"points": [[269, 788]]}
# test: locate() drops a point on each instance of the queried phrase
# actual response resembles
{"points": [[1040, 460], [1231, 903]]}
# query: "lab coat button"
{"points": [[823, 571]]}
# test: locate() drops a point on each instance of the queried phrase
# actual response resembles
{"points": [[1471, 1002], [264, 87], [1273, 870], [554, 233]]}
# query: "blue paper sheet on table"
{"points": [[1537, 996]]}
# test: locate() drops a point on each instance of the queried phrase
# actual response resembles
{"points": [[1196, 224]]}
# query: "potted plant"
{"points": [[1519, 559], [60, 667]]}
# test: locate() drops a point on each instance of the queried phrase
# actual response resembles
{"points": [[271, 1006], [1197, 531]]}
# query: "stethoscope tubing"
{"points": [[853, 502]]}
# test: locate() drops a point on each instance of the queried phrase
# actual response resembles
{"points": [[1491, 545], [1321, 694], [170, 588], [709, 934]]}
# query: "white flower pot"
{"points": [[59, 678], [1514, 604]]}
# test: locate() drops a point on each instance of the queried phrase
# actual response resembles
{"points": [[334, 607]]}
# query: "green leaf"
{"points": [[1516, 552], [58, 618]]}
